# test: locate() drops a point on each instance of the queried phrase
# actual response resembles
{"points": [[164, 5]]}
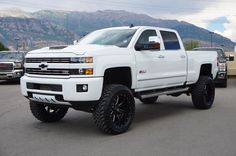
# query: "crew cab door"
{"points": [[149, 62], [175, 59], [163, 67]]}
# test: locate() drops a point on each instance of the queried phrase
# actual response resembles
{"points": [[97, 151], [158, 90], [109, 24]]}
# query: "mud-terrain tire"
{"points": [[203, 93], [115, 110], [47, 113]]}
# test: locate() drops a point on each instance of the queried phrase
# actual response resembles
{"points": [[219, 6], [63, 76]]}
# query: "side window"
{"points": [[170, 40], [144, 37]]}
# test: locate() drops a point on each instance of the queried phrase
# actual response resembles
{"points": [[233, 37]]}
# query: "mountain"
{"points": [[49, 27], [33, 32]]}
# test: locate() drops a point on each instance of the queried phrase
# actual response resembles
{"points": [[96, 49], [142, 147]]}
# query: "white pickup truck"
{"points": [[108, 68]]}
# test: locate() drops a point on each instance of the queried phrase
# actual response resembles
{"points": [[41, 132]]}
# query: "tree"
{"points": [[189, 45], [2, 47]]}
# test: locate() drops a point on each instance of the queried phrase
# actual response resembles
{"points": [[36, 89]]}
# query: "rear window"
{"points": [[170, 40]]}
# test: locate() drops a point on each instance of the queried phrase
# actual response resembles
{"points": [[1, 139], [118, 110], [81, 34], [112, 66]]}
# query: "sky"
{"points": [[218, 16]]}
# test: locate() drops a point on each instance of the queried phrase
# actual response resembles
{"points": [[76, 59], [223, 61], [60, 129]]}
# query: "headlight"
{"points": [[81, 60], [222, 66], [82, 71], [18, 65]]}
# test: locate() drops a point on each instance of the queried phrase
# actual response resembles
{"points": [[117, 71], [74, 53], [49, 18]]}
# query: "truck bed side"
{"points": [[196, 60]]}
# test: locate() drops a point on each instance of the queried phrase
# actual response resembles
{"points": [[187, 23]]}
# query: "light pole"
{"points": [[17, 45], [211, 33]]}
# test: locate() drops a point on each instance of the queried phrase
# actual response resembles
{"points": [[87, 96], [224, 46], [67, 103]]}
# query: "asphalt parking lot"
{"points": [[170, 127]]}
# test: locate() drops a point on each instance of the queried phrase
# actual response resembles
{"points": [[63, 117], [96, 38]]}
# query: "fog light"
{"points": [[18, 74], [85, 88], [82, 88]]}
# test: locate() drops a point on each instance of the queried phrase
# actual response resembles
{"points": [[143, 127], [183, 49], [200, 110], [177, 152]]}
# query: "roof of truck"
{"points": [[141, 27]]}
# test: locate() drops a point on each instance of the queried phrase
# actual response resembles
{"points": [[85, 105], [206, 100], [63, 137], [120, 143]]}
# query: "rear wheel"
{"points": [[149, 100], [47, 113], [203, 93], [115, 111]]}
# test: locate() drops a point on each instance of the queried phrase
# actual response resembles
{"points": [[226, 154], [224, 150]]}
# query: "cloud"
{"points": [[208, 17], [230, 28], [200, 13]]}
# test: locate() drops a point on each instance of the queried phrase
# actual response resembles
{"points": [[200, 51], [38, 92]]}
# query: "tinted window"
{"points": [[170, 40], [144, 37]]}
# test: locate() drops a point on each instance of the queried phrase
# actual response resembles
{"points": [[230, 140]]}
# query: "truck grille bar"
{"points": [[38, 71], [6, 67], [48, 60]]}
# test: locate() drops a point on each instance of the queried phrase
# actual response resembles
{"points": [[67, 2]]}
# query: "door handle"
{"points": [[182, 56], [161, 56]]}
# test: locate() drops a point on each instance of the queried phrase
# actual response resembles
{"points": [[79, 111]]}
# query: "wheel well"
{"points": [[206, 70], [118, 75]]}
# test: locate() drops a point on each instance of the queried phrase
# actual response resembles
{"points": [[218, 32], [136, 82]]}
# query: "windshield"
{"points": [[116, 37], [11, 56], [220, 52]]}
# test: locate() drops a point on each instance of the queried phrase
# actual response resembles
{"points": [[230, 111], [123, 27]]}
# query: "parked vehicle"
{"points": [[231, 65], [11, 65], [108, 68], [221, 77]]}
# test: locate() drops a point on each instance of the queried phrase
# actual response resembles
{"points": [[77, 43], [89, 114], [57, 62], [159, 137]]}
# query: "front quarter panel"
{"points": [[117, 57]]}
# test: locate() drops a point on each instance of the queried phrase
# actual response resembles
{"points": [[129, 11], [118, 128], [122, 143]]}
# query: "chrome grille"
{"points": [[48, 60], [6, 67], [38, 71]]}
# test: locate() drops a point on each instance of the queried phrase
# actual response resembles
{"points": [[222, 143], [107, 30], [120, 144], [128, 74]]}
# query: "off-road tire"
{"points": [[203, 93], [150, 100], [46, 113], [115, 110]]}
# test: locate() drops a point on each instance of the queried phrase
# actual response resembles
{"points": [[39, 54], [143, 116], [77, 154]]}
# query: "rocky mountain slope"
{"points": [[60, 27]]}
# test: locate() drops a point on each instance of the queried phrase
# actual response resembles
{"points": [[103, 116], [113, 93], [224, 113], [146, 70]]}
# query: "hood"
{"points": [[10, 60], [75, 49]]}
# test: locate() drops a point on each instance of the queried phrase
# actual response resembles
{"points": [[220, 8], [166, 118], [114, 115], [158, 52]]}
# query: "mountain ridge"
{"points": [[76, 24]]}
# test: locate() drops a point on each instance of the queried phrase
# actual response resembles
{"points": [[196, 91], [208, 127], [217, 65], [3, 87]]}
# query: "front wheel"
{"points": [[115, 111], [203, 93], [46, 113]]}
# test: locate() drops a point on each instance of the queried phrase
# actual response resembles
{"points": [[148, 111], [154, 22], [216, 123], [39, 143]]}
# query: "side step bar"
{"points": [[163, 92]]}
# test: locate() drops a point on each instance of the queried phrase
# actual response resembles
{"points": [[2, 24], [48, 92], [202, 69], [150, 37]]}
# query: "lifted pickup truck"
{"points": [[11, 65], [108, 68]]}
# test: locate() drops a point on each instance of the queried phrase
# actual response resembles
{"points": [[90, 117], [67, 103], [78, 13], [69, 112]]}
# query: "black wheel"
{"points": [[149, 100], [203, 93], [115, 111], [47, 113]]}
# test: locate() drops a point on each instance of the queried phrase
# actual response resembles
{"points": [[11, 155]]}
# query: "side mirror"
{"points": [[230, 57], [153, 44], [75, 42], [148, 46], [154, 39]]}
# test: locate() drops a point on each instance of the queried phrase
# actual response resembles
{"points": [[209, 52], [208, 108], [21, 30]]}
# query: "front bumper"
{"points": [[68, 91], [15, 74], [221, 77]]}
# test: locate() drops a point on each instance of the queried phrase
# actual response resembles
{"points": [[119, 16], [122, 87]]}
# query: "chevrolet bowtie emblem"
{"points": [[43, 66]]}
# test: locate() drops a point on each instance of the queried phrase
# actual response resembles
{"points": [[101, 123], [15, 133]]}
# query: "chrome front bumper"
{"points": [[15, 74]]}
